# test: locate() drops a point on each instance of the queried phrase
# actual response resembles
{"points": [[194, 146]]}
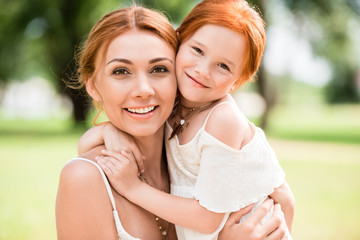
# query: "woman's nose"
{"points": [[143, 87]]}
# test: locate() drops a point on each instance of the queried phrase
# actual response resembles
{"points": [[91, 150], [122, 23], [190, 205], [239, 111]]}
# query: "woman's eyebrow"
{"points": [[123, 60], [159, 60]]}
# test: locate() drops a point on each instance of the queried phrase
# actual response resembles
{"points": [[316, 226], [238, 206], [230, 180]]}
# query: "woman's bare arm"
{"points": [[83, 208]]}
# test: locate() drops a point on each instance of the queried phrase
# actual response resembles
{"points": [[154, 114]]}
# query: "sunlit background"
{"points": [[306, 97]]}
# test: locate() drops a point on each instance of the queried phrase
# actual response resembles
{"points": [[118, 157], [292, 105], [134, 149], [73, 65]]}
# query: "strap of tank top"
{"points": [[119, 227], [212, 110]]}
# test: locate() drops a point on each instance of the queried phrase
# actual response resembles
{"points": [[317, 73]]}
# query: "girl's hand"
{"points": [[116, 140], [252, 229], [121, 170]]}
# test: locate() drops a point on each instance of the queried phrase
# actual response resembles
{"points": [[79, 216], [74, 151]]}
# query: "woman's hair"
{"points": [[236, 15], [118, 22]]}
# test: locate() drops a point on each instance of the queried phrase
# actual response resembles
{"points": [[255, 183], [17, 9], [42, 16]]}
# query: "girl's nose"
{"points": [[203, 69]]}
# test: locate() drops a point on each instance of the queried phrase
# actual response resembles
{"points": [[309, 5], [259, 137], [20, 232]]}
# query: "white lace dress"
{"points": [[221, 178]]}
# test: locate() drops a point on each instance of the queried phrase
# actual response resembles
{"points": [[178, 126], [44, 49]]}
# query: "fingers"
{"points": [[107, 164], [276, 226], [234, 217], [111, 162], [131, 159], [138, 157], [261, 211], [113, 154]]}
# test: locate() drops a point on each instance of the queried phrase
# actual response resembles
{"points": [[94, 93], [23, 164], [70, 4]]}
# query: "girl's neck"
{"points": [[191, 104]]}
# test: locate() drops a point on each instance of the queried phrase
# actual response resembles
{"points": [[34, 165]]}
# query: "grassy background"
{"points": [[319, 149]]}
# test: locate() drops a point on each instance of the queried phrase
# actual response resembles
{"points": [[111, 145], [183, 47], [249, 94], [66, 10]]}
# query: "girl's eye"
{"points": [[198, 50], [159, 69], [120, 71], [224, 66]]}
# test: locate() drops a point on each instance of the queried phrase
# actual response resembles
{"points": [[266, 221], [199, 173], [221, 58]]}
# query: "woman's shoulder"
{"points": [[82, 170], [82, 201]]}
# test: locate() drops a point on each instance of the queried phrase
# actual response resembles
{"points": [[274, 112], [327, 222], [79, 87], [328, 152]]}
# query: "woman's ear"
{"points": [[92, 90]]}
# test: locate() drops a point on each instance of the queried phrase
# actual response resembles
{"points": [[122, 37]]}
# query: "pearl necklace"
{"points": [[178, 127], [163, 230]]}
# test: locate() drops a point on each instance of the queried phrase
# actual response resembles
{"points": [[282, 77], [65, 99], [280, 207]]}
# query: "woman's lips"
{"points": [[141, 113]]}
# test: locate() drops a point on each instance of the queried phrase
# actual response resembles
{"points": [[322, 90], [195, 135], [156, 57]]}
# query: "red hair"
{"points": [[236, 15], [116, 23]]}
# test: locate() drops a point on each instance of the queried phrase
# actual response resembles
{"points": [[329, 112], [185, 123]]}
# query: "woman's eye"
{"points": [[224, 66], [120, 71], [159, 69], [198, 50]]}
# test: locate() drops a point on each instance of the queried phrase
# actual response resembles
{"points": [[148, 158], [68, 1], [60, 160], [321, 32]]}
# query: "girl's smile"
{"points": [[208, 64]]}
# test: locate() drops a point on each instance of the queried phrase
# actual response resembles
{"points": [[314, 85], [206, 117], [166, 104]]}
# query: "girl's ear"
{"points": [[91, 89]]}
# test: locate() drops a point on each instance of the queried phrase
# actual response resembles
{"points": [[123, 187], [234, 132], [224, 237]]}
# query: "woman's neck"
{"points": [[155, 168]]}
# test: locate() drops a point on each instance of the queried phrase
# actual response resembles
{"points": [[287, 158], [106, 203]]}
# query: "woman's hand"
{"points": [[252, 229], [121, 170], [286, 199]]}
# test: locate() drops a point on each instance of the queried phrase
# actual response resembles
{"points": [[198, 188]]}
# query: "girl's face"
{"points": [[135, 80], [209, 63]]}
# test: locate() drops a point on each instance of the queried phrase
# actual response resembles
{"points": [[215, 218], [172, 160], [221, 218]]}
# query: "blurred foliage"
{"points": [[330, 26], [40, 37]]}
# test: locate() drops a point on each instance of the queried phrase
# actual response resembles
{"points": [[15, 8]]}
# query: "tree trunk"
{"points": [[264, 88]]}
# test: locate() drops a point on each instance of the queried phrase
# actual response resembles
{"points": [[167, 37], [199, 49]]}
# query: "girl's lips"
{"points": [[197, 83]]}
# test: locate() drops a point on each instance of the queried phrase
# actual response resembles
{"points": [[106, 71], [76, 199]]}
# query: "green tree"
{"points": [[41, 37], [330, 27]]}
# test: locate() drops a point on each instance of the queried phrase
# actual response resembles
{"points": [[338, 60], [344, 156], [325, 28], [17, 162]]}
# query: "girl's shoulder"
{"points": [[228, 124]]}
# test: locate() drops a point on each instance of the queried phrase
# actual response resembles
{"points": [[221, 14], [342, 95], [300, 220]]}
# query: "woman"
{"points": [[127, 66]]}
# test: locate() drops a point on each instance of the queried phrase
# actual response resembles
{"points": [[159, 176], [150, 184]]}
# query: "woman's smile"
{"points": [[142, 113]]}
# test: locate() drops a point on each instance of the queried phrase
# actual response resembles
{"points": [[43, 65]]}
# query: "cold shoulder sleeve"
{"points": [[230, 179]]}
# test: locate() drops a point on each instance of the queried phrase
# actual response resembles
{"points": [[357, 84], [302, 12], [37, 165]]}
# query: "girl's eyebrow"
{"points": [[123, 60], [199, 43], [227, 61], [159, 60]]}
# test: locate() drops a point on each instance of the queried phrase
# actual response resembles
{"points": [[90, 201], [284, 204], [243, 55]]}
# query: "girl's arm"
{"points": [[113, 139], [83, 209], [284, 196], [91, 139], [122, 172]]}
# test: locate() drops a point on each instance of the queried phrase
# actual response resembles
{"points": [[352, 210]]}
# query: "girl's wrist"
{"points": [[134, 190]]}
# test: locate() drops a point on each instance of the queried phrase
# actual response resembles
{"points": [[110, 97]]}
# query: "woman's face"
{"points": [[208, 63], [135, 80]]}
